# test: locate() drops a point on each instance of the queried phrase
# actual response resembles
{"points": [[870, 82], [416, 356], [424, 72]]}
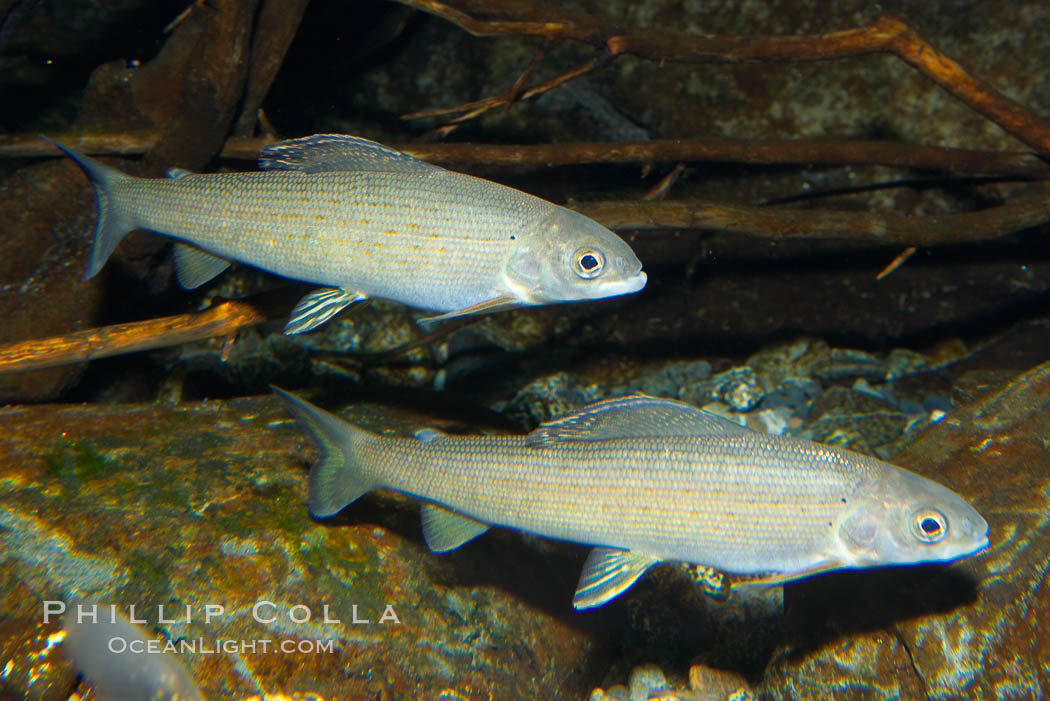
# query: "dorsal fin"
{"points": [[326, 152], [636, 416]]}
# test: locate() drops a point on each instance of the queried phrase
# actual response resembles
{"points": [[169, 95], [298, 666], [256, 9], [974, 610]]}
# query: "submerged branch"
{"points": [[761, 152], [791, 223], [885, 35], [222, 320]]}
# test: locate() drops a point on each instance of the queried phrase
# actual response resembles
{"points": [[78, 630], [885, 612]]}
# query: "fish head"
{"points": [[903, 518], [567, 257]]}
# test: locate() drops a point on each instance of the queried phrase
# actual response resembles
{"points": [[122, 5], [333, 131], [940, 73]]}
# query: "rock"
{"points": [[43, 253], [548, 397], [856, 420], [647, 682], [739, 388], [683, 379], [902, 362], [205, 504], [27, 645]]}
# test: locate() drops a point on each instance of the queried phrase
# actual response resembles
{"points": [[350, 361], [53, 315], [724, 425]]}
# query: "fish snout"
{"points": [[623, 286], [975, 530]]}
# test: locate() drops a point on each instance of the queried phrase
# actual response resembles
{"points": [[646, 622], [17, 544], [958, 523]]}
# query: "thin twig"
{"points": [[886, 35], [222, 320], [181, 17], [473, 109], [660, 190], [760, 152], [519, 84], [897, 262]]}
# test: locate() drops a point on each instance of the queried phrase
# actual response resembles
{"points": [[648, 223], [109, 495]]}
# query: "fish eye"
{"points": [[930, 525], [588, 262]]}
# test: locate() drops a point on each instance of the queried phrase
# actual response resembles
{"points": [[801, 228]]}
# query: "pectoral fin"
{"points": [[496, 304], [318, 307], [194, 267], [445, 531], [607, 574]]}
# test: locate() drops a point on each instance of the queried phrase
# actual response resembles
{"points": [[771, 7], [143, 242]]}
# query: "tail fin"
{"points": [[114, 222], [338, 477]]}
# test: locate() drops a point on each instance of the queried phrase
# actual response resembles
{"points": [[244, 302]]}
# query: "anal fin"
{"points": [[445, 531], [194, 267], [318, 307], [607, 573], [496, 304]]}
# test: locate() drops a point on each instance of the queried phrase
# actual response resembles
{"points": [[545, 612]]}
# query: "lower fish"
{"points": [[645, 480], [364, 220]]}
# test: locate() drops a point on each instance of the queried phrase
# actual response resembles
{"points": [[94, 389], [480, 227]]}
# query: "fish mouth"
{"points": [[625, 287]]}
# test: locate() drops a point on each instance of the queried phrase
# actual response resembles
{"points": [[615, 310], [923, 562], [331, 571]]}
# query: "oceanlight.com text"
{"points": [[229, 646]]}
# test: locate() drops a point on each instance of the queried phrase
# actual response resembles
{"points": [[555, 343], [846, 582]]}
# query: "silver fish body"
{"points": [[367, 221], [647, 480]]}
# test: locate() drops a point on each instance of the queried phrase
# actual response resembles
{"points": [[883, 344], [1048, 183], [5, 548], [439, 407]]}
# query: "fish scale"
{"points": [[331, 211], [708, 496], [646, 479], [367, 221]]}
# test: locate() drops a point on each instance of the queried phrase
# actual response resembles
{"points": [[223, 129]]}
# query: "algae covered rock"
{"points": [[203, 506]]}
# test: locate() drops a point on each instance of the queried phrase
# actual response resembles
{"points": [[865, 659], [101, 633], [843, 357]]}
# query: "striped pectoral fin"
{"points": [[496, 304], [194, 267], [318, 307], [607, 574], [445, 531]]}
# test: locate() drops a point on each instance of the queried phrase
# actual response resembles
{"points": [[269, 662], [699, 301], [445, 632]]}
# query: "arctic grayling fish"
{"points": [[647, 479], [365, 221]]}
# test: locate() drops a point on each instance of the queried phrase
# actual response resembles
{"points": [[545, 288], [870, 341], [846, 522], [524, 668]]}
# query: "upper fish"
{"points": [[645, 480], [364, 220]]}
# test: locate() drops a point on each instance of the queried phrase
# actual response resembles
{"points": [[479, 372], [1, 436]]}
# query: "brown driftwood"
{"points": [[793, 223], [885, 35], [222, 320], [953, 161]]}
